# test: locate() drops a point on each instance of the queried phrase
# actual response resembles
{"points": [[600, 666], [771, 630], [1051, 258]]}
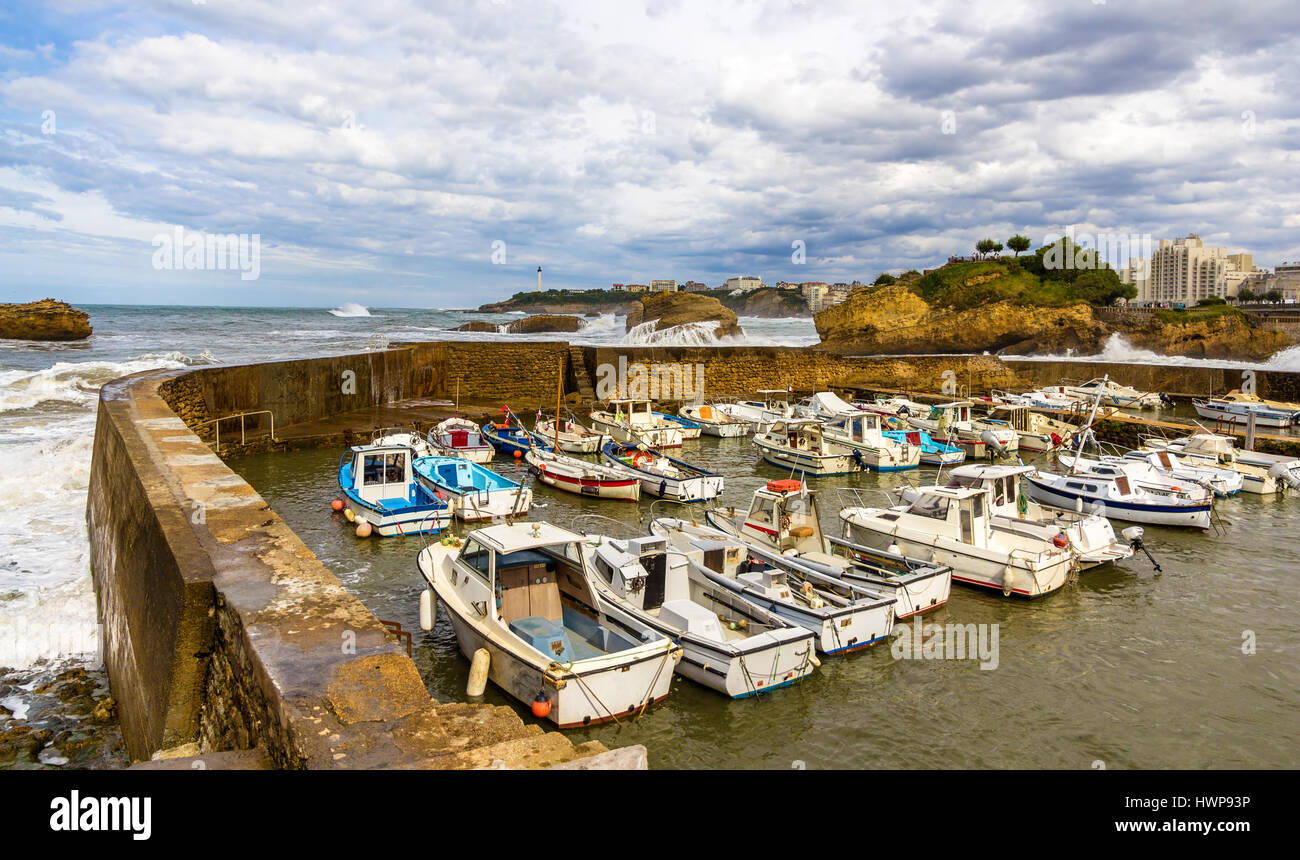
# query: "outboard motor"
{"points": [[1133, 534], [1284, 475], [991, 440], [1166, 400]]}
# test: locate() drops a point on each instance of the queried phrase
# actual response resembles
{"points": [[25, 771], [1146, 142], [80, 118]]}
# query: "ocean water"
{"points": [[48, 397]]}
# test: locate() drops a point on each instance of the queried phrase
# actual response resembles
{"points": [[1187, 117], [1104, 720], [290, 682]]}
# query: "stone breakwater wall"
{"points": [[222, 631]]}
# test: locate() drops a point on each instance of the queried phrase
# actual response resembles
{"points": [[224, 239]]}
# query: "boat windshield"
{"points": [[929, 505], [476, 556], [384, 468]]}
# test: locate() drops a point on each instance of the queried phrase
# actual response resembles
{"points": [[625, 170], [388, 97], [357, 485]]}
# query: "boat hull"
{"points": [[808, 462], [1162, 515]]}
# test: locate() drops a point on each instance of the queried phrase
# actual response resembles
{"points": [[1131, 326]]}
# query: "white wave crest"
{"points": [[687, 334], [1118, 350], [66, 382], [351, 309]]}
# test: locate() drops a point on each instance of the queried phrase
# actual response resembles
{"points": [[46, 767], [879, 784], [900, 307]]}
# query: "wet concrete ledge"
{"points": [[222, 631]]}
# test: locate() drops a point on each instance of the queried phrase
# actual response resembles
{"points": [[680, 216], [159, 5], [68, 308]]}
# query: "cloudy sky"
{"points": [[431, 154]]}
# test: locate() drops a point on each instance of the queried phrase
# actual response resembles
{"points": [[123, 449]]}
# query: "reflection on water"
{"points": [[1124, 667]]}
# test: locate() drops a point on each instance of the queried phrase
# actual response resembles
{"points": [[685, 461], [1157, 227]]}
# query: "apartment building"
{"points": [[745, 283], [1184, 271], [663, 286]]}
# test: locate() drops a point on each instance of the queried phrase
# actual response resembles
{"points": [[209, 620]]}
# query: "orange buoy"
{"points": [[541, 705], [1061, 541], [363, 529], [337, 504], [518, 453]]}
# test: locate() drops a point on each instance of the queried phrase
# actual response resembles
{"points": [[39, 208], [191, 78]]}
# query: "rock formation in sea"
{"points": [[44, 320], [668, 310]]}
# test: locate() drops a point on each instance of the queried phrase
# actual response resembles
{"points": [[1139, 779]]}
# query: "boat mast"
{"points": [[1074, 468], [559, 392]]}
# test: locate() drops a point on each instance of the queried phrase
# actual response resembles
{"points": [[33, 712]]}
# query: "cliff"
{"points": [[44, 320], [895, 320], [668, 310]]}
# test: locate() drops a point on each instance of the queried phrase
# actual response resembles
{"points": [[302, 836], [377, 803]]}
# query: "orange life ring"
{"points": [[639, 456]]}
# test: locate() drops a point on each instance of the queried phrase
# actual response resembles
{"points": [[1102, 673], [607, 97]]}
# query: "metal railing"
{"points": [[243, 435]]}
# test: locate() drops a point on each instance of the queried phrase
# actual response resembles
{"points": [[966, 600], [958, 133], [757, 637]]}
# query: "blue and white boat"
{"points": [[380, 489], [690, 429], [1235, 411], [1117, 491], [474, 492], [661, 475], [932, 453], [506, 438]]}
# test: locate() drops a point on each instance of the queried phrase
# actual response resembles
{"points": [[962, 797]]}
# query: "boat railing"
{"points": [[216, 425], [391, 431], [858, 493]]}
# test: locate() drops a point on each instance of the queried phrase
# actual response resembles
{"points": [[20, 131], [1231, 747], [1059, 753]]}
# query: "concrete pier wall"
{"points": [[224, 631]]}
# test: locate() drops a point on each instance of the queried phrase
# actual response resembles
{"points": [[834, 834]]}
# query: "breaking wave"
{"points": [[351, 309], [1118, 350]]}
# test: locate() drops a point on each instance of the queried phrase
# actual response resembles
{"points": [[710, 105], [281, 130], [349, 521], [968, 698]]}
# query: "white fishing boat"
{"points": [[572, 436], [955, 526], [783, 519], [581, 477], [861, 432], [1259, 477], [460, 437], [635, 421], [1036, 432], [843, 617], [473, 491], [1222, 482], [380, 489], [523, 592], [1091, 536], [825, 406], [761, 414], [1111, 393], [690, 429], [661, 475], [402, 436], [1237, 411], [1053, 397], [728, 643], [800, 445], [1236, 396], [715, 422], [1117, 489], [956, 423]]}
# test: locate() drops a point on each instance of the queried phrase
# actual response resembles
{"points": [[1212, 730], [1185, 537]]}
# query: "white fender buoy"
{"points": [[428, 609], [478, 673], [812, 657], [1006, 581]]}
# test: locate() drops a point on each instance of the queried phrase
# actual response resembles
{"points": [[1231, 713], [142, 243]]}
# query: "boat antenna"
{"points": [[1074, 467]]}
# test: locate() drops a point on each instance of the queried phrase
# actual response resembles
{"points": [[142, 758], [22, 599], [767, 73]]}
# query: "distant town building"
{"points": [[662, 286], [1184, 271], [694, 287], [1285, 279], [786, 285], [631, 288], [745, 283], [814, 294]]}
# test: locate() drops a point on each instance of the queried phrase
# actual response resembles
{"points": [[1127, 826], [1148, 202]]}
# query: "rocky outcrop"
{"points": [[44, 320], [668, 310], [477, 325], [545, 322], [771, 303], [894, 320]]}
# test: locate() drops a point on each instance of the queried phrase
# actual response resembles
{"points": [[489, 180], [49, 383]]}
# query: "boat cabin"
{"points": [[951, 414], [531, 578], [381, 475], [1002, 482], [784, 513], [634, 413], [860, 427], [956, 513], [798, 435], [638, 571]]}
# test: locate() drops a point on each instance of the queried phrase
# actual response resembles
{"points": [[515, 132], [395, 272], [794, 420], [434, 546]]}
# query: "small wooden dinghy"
{"points": [[661, 475]]}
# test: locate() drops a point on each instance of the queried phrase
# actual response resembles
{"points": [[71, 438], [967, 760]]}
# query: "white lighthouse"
{"points": [[539, 279]]}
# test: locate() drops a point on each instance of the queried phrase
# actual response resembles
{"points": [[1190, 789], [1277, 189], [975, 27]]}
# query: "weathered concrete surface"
{"points": [[225, 631]]}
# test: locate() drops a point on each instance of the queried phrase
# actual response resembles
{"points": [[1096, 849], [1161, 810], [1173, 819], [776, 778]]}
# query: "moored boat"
{"points": [[783, 519], [512, 440], [861, 431], [799, 444], [572, 436], [661, 475], [690, 429], [1238, 411], [933, 453], [636, 421], [459, 437], [380, 490], [760, 414], [728, 643], [955, 421], [523, 593], [1120, 495], [473, 491], [581, 477], [714, 421]]}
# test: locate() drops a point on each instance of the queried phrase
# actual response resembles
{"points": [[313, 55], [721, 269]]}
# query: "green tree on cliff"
{"points": [[985, 247], [1018, 243], [884, 280]]}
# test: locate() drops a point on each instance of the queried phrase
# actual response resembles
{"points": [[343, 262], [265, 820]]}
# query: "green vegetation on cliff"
{"points": [[768, 302], [1202, 313], [1054, 276]]}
